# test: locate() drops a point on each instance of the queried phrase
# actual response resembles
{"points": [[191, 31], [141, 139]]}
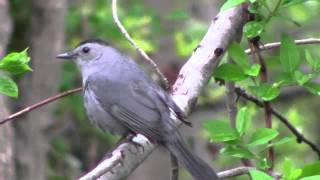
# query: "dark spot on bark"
{"points": [[122, 154], [199, 45], [215, 18], [218, 52]]}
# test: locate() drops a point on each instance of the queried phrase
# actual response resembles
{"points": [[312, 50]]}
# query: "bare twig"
{"points": [[238, 171], [39, 104], [174, 167], [277, 44], [134, 44], [300, 137]]}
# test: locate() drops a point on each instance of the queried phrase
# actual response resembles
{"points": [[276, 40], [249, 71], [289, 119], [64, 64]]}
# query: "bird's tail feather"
{"points": [[196, 166]]}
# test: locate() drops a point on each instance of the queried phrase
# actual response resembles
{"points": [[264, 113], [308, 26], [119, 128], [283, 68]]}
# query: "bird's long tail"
{"points": [[196, 166]]}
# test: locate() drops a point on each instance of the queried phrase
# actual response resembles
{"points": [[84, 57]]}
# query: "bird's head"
{"points": [[86, 51]]}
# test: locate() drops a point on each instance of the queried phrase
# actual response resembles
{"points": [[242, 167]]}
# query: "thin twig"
{"points": [[277, 44], [300, 137], [39, 104], [254, 46], [238, 171], [133, 43], [174, 167]]}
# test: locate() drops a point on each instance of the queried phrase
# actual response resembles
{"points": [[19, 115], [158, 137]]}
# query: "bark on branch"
{"points": [[192, 78]]}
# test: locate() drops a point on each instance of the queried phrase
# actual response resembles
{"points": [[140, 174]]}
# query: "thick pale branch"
{"points": [[192, 78]]}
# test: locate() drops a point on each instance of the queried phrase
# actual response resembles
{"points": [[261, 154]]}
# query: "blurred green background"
{"points": [[59, 143]]}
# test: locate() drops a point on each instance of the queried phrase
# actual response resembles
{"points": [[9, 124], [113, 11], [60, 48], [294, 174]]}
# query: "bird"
{"points": [[119, 97]]}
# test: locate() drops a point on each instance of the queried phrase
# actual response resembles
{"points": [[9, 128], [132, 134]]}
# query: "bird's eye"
{"points": [[85, 49]]}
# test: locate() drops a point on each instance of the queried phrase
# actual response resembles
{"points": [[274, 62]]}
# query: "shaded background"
{"points": [[57, 141]]}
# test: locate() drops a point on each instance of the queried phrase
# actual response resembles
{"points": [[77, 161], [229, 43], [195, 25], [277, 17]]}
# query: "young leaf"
{"points": [[265, 91], [263, 163], [220, 131], [230, 72], [316, 177], [253, 29], [302, 78], [289, 170], [315, 64], [311, 169], [236, 151], [16, 63], [259, 175], [8, 87], [253, 71], [289, 55], [262, 136], [231, 3], [243, 120], [280, 142]]}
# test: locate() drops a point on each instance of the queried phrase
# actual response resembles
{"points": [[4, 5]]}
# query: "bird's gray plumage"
{"points": [[120, 98]]}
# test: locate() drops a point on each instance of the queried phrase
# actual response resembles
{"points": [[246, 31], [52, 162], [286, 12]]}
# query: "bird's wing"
{"points": [[140, 112]]}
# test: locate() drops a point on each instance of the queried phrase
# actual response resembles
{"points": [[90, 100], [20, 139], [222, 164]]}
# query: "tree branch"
{"points": [[134, 44], [39, 104], [300, 137], [277, 44], [192, 78]]}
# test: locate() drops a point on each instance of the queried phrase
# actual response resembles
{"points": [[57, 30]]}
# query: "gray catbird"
{"points": [[120, 98]]}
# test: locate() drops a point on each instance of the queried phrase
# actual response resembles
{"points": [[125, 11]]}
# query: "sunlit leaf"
{"points": [[289, 55], [259, 175], [8, 87], [220, 130], [253, 29], [230, 72], [231, 3], [243, 120], [262, 136]]}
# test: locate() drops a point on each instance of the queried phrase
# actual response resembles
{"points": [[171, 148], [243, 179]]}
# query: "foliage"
{"points": [[15, 63], [294, 68]]}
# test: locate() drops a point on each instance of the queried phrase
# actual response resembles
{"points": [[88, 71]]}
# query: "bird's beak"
{"points": [[67, 55]]}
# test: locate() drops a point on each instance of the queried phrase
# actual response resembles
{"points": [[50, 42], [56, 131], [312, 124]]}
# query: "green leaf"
{"points": [[317, 177], [237, 54], [259, 175], [230, 72], [243, 120], [311, 169], [302, 78], [253, 71], [315, 64], [312, 87], [253, 29], [231, 3], [263, 163], [236, 151], [281, 141], [220, 131], [16, 63], [289, 55], [262, 136], [290, 172], [265, 91], [8, 87]]}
